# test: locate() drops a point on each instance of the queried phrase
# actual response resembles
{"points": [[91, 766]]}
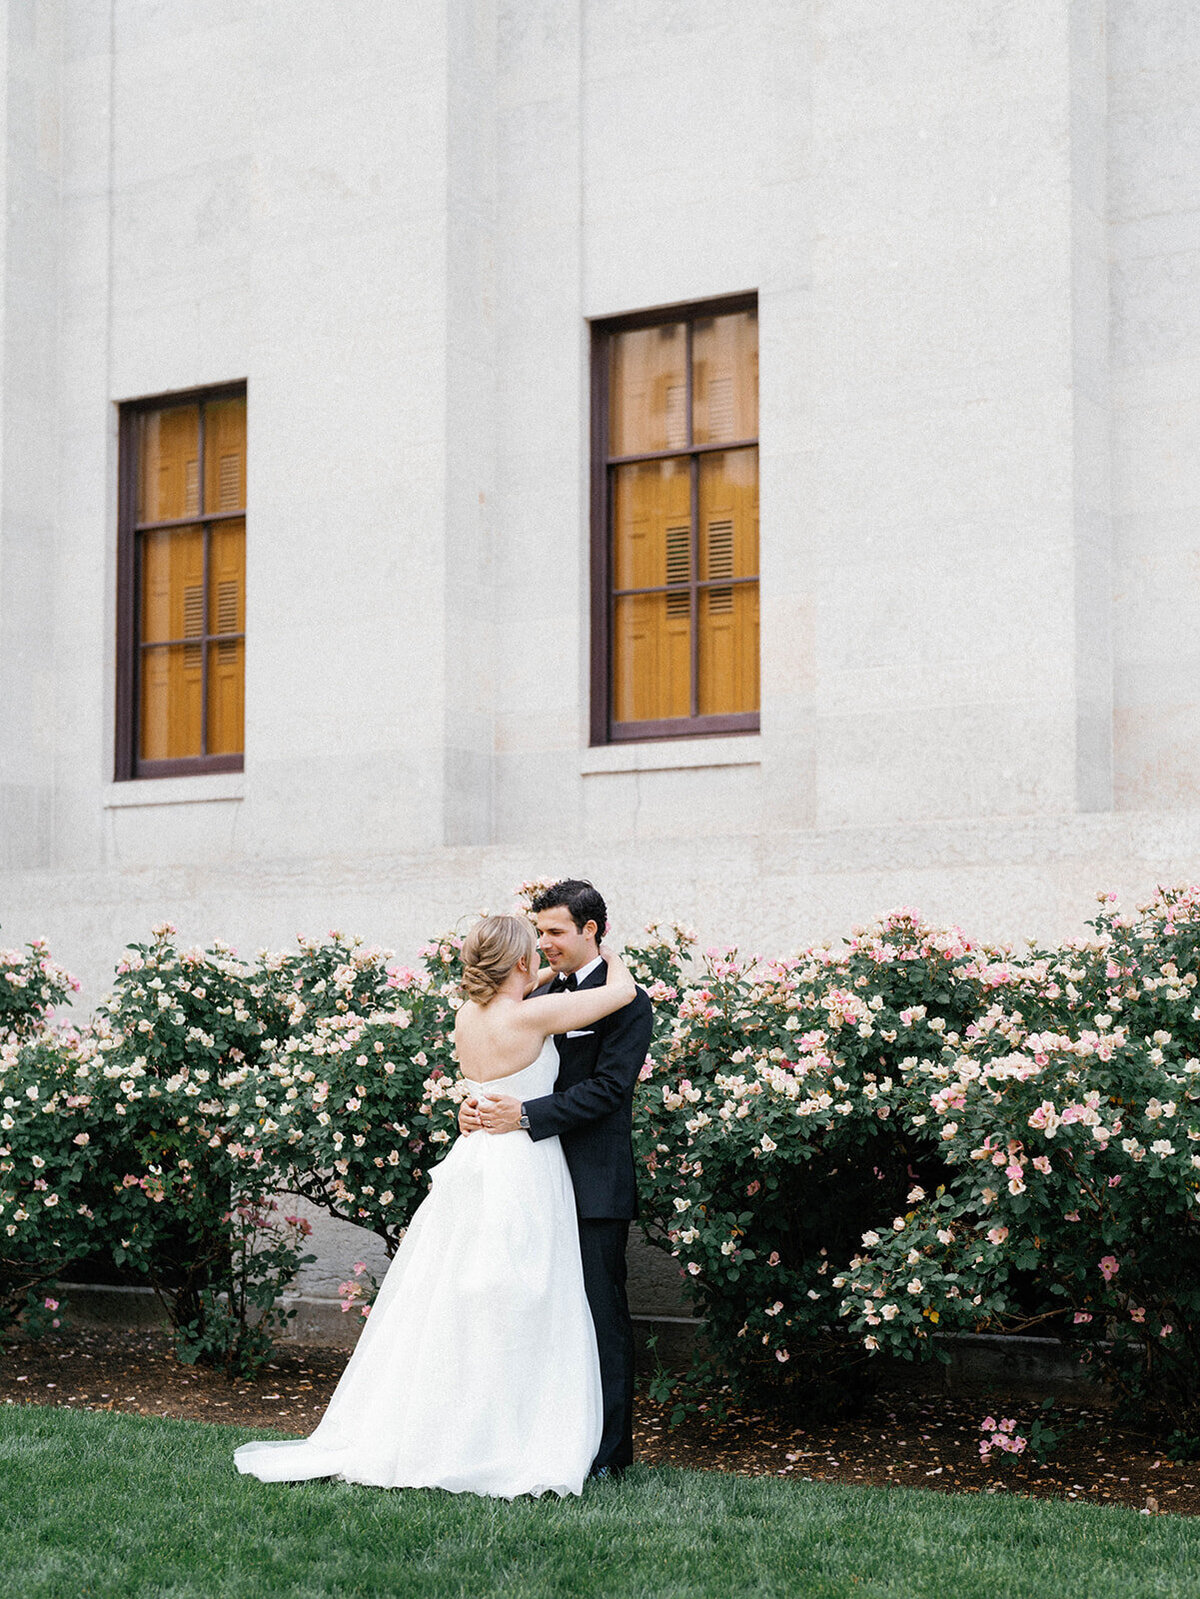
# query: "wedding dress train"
{"points": [[477, 1368]]}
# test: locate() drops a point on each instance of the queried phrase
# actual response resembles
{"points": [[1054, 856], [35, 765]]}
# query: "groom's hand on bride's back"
{"points": [[468, 1117]]}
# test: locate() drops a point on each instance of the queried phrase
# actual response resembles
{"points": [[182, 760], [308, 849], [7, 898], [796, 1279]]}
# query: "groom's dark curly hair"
{"points": [[581, 899]]}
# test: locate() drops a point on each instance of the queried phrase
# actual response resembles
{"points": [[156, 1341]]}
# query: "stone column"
{"points": [[29, 271], [958, 394], [471, 399], [1091, 393]]}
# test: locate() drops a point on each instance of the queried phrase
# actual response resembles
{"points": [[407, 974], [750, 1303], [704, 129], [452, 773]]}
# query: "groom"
{"points": [[591, 1110]]}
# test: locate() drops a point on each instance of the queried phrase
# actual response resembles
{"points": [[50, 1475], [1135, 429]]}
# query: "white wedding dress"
{"points": [[477, 1368]]}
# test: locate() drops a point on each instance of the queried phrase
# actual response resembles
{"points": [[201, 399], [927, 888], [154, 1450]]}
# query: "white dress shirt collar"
{"points": [[586, 971]]}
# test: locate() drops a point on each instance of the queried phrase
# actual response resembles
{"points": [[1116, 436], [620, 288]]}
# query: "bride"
{"points": [[477, 1370]]}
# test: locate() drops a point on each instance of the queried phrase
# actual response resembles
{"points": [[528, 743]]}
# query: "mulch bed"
{"points": [[907, 1436]]}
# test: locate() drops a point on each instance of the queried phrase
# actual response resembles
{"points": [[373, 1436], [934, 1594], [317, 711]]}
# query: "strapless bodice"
{"points": [[530, 1082]]}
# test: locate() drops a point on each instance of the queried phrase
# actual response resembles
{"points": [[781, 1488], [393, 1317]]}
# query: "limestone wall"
{"points": [[972, 230]]}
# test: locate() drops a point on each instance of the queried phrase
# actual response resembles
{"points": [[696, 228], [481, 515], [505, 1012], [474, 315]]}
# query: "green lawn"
{"points": [[107, 1505]]}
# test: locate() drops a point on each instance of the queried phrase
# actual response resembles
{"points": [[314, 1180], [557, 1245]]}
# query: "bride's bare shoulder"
{"points": [[491, 1041]]}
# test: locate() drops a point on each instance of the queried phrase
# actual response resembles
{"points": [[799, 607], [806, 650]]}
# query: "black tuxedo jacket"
{"points": [[591, 1108]]}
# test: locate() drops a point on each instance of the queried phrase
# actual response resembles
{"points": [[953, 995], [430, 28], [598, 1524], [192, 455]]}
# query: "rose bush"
{"points": [[364, 1096], [51, 1182], [174, 1062], [137, 1146], [31, 985], [777, 1131], [1068, 1115], [915, 1134], [847, 1152]]}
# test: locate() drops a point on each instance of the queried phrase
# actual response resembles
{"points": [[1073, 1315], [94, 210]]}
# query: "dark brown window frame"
{"points": [[604, 730], [128, 767]]}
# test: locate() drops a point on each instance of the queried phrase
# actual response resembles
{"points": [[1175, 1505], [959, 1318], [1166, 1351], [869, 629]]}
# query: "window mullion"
{"points": [[207, 534], [610, 602], [138, 648], [694, 511], [694, 494]]}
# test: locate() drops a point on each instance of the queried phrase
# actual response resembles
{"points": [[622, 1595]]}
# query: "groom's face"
{"points": [[565, 947]]}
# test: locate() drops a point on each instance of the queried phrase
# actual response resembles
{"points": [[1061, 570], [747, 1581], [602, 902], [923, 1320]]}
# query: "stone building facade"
{"points": [[970, 232]]}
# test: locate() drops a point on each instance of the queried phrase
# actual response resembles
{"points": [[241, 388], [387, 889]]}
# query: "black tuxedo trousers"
{"points": [[591, 1110], [602, 1245]]}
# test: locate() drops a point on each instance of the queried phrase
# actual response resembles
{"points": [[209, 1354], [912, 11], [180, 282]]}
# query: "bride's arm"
{"points": [[568, 1013]]}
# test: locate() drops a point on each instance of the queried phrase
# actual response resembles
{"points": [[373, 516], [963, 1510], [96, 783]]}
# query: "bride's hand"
{"points": [[468, 1117], [501, 1115], [618, 971]]}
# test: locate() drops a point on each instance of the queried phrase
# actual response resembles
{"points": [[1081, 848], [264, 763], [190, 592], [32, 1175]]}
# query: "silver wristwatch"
{"points": [[524, 1121]]}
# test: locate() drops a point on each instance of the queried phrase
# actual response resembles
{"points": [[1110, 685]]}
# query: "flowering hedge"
{"points": [[119, 1143], [847, 1152], [1069, 1118], [363, 1096], [47, 1187], [915, 1133], [159, 1138], [777, 1135], [31, 985]]}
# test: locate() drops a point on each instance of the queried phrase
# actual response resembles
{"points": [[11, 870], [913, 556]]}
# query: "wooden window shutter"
{"points": [[720, 564]]}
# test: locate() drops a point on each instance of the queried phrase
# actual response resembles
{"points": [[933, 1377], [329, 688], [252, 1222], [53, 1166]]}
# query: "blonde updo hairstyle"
{"points": [[490, 951]]}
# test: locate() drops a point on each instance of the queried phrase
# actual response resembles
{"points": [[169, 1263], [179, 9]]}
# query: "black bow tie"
{"points": [[565, 981]]}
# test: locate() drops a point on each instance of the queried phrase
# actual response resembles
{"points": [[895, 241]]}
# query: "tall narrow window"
{"points": [[182, 559], [675, 523]]}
